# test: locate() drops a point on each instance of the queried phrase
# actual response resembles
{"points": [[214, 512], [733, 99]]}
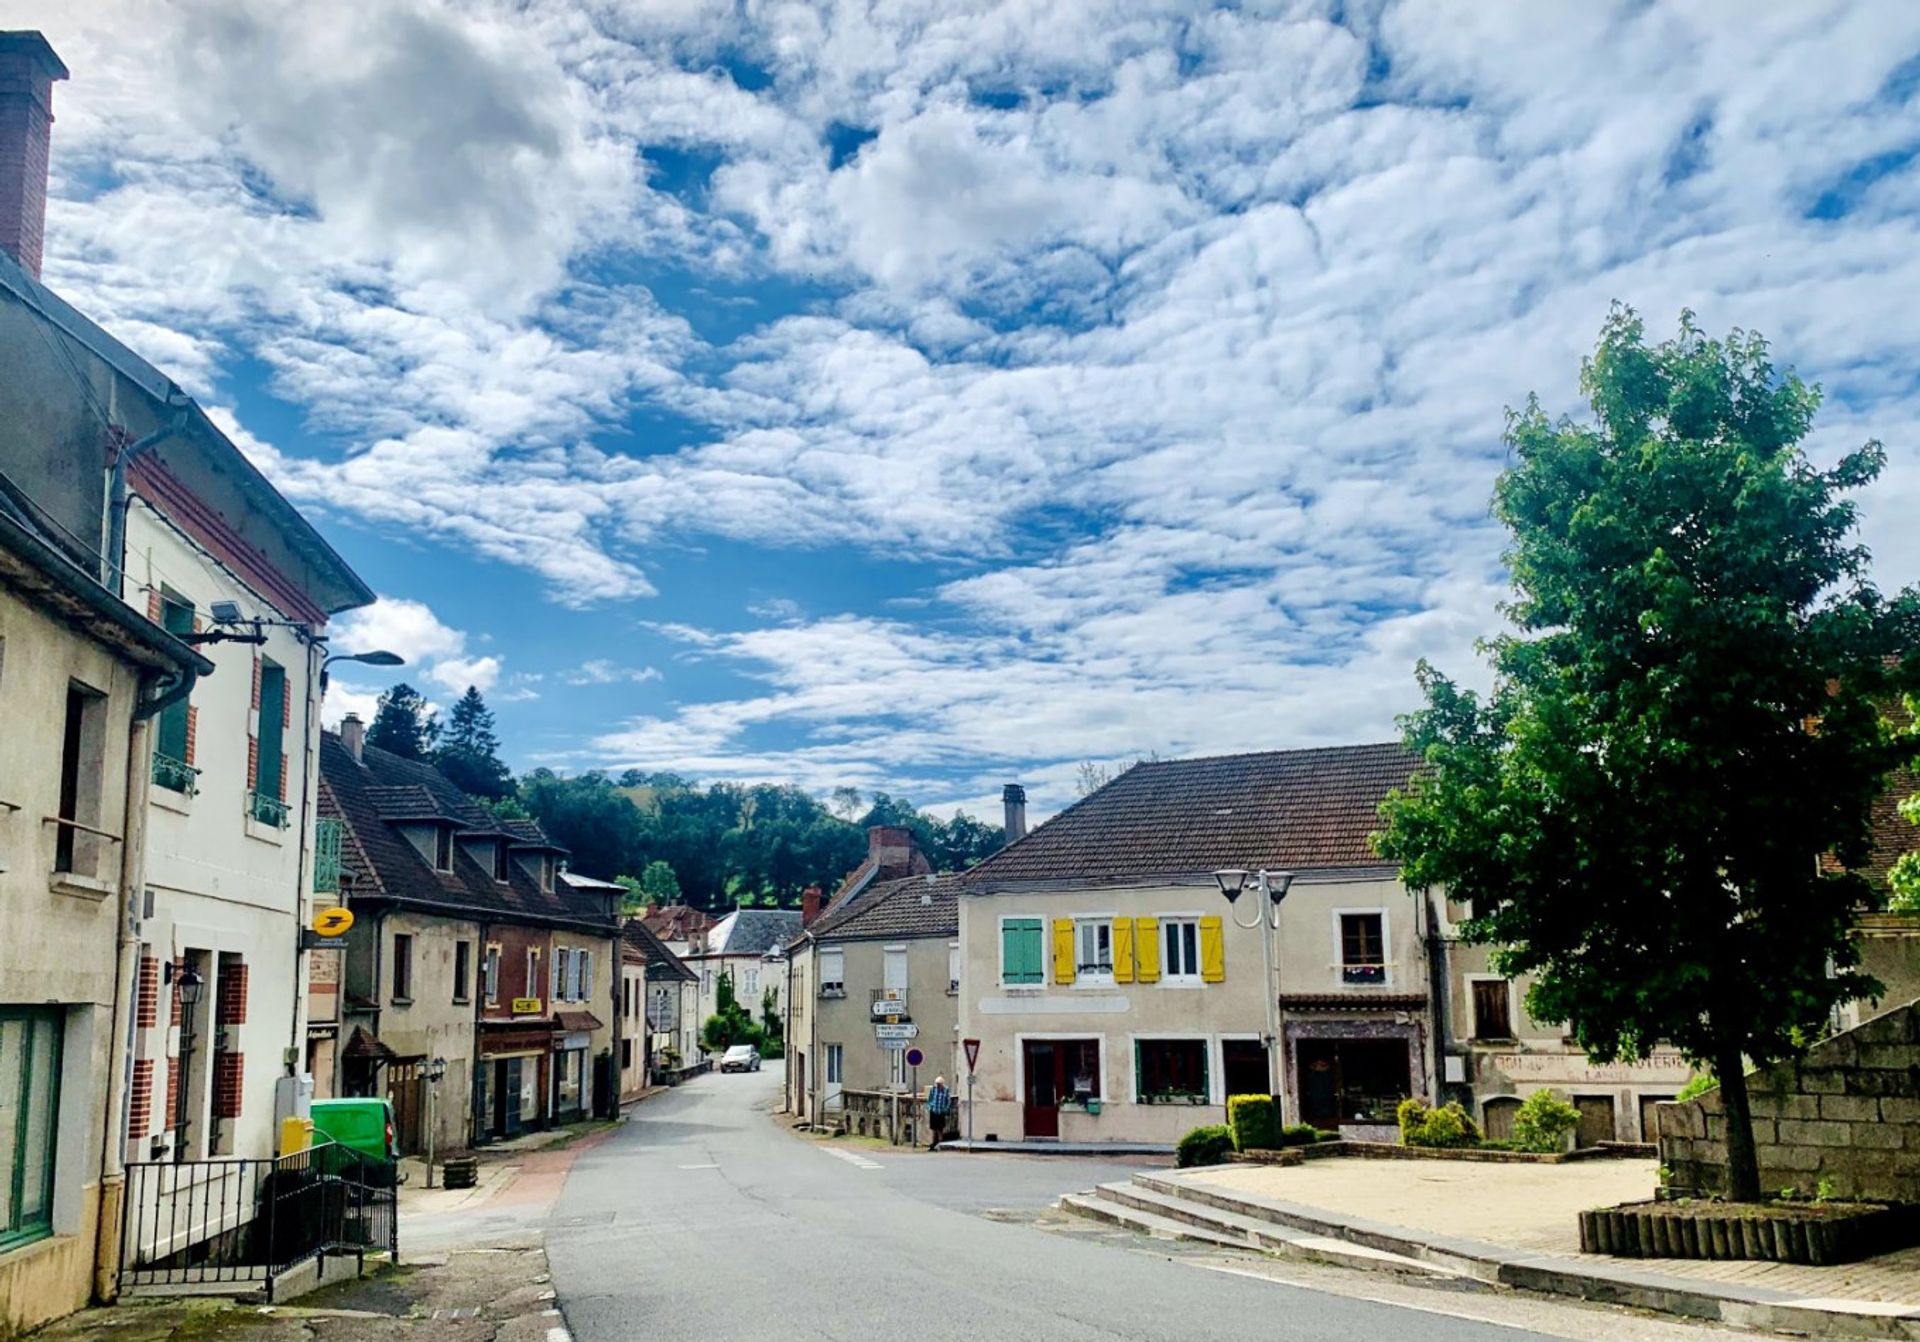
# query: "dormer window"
{"points": [[546, 874], [442, 848], [500, 861]]}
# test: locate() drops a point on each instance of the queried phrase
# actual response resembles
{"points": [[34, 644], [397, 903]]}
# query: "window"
{"points": [[626, 1055], [833, 974], [562, 962], [896, 1069], [1180, 938], [1492, 1012], [172, 768], [82, 764], [29, 1120], [1020, 952], [501, 868], [442, 848], [462, 967], [1170, 1071], [491, 975], [1093, 948], [402, 967], [546, 873], [269, 775], [1079, 1070], [753, 984], [1363, 948], [953, 967], [583, 976], [533, 972], [834, 1063]]}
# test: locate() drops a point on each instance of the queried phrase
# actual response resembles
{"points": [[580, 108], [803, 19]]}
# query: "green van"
{"points": [[363, 1125]]}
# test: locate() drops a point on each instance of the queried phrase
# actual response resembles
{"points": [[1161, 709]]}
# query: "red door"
{"points": [[1040, 1112]]}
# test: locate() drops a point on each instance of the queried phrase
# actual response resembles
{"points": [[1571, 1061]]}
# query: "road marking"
{"points": [[858, 1162], [713, 1165], [1358, 1295]]}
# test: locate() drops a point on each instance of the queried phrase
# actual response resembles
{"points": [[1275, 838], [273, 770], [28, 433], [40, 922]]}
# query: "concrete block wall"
{"points": [[1847, 1113]]}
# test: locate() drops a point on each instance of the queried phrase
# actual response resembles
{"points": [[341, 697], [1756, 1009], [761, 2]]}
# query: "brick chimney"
{"points": [[28, 69], [894, 854], [353, 734], [809, 905], [1013, 798]]}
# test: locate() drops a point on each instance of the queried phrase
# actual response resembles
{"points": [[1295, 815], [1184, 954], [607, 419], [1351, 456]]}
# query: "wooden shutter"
{"points": [[1123, 950], [1146, 949], [1020, 953], [1063, 950], [1213, 950]]}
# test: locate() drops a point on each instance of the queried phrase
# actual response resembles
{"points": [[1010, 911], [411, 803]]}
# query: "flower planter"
{"points": [[1815, 1234]]}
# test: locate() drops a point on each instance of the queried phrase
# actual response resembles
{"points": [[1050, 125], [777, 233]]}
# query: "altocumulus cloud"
{"points": [[1174, 339]]}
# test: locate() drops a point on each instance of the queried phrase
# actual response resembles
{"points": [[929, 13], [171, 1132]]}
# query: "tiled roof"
{"points": [[378, 792], [662, 964], [677, 922], [1299, 810], [913, 906], [754, 931]]}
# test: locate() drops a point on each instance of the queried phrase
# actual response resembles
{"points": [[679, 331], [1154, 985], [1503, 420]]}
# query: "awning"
{"points": [[363, 1047], [576, 1022]]}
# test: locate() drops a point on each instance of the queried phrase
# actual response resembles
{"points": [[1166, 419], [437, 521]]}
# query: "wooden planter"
{"points": [[1816, 1234]]}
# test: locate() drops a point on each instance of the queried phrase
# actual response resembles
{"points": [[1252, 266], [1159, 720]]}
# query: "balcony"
{"points": [[268, 810], [833, 990], [1363, 974], [175, 775]]}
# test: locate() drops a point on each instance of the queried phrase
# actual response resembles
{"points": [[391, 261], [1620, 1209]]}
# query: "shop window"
{"points": [[1170, 1071], [29, 1121]]}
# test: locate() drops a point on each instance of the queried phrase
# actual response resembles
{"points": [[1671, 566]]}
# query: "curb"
{"points": [[1740, 1306]]}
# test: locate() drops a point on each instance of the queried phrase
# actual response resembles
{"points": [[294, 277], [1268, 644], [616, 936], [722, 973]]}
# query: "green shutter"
{"points": [[273, 695], [176, 619], [1020, 951]]}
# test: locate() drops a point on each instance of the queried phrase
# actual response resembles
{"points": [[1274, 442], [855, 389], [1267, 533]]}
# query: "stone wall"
{"points": [[1847, 1113]]}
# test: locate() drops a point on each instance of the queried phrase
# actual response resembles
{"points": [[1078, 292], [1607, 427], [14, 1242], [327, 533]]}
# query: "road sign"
{"points": [[893, 1045], [905, 1029], [972, 1047], [889, 1006], [333, 922], [915, 1057]]}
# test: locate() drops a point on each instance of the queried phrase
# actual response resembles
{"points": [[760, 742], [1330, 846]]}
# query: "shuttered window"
{"points": [[1213, 950], [1492, 1015], [29, 1121], [1021, 951]]}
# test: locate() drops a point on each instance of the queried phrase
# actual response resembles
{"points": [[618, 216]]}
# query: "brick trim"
{"points": [[140, 1114], [253, 763], [232, 1007], [154, 611], [147, 1012], [173, 1093], [193, 729], [229, 1074], [256, 684]]}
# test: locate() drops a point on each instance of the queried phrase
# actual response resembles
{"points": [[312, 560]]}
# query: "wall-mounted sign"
{"points": [[889, 1006], [898, 1030], [333, 922], [526, 1006]]}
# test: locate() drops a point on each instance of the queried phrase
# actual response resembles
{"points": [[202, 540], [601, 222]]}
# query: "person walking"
{"points": [[939, 1106]]}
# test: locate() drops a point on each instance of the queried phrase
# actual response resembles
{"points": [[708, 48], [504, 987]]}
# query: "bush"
{"points": [[1305, 1134], [773, 1048], [1697, 1085], [1543, 1121], [1206, 1145], [1447, 1126], [1253, 1121]]}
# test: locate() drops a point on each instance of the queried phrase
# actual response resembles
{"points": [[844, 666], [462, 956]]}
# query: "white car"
{"points": [[740, 1058]]}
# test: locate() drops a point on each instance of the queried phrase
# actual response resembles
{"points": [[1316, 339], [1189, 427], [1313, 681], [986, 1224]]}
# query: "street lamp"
{"points": [[1272, 887], [187, 985], [378, 657], [435, 1071]]}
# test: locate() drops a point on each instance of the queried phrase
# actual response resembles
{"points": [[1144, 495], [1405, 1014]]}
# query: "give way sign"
{"points": [[972, 1046]]}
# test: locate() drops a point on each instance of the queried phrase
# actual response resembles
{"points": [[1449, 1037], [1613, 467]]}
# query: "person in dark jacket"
{"points": [[939, 1110]]}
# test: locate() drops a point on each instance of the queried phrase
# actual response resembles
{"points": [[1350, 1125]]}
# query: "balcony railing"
{"points": [[1363, 973], [175, 775], [268, 809], [326, 857]]}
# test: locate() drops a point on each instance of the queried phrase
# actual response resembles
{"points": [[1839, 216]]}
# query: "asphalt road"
{"points": [[704, 1219]]}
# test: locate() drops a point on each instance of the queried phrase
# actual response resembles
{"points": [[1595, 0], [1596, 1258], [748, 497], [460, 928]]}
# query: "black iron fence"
{"points": [[212, 1222]]}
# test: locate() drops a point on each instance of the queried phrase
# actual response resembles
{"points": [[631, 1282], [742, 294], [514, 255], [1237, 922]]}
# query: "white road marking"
{"points": [[858, 1162], [711, 1165], [1374, 1299]]}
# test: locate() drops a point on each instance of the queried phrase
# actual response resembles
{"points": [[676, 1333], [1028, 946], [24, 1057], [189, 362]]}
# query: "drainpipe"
{"points": [[786, 1033], [113, 556], [309, 783]]}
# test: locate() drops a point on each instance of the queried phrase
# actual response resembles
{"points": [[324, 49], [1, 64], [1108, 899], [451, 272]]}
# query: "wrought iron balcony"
{"points": [[268, 810], [175, 775], [1363, 973]]}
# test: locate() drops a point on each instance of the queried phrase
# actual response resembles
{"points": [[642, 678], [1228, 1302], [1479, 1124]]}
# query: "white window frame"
{"points": [[833, 984], [1169, 979], [753, 983], [1339, 963], [833, 1065], [562, 961], [1092, 977], [1000, 954], [897, 1074], [490, 973], [953, 968]]}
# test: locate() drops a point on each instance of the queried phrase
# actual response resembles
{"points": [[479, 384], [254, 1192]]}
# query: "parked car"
{"points": [[740, 1058]]}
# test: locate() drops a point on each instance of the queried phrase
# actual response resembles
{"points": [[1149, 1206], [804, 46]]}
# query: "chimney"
{"points": [[894, 854], [353, 734], [809, 905], [28, 68], [1013, 798]]}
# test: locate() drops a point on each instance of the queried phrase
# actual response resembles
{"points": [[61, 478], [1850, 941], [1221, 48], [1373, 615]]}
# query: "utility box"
{"points": [[293, 1098]]}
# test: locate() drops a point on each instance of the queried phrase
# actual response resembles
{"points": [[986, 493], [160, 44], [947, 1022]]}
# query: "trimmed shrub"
{"points": [[1254, 1122], [1542, 1122], [1447, 1126], [1304, 1134], [1207, 1145]]}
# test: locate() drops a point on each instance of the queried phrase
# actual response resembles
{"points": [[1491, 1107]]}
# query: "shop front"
{"points": [[513, 1082]]}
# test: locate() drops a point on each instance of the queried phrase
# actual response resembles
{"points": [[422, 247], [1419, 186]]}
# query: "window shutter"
{"points": [[1063, 950], [559, 967], [1123, 950], [1213, 950], [1146, 949], [586, 976]]}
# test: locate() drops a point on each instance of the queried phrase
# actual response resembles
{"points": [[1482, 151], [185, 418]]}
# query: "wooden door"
{"points": [[1497, 1117], [1040, 1111], [1319, 1083], [1596, 1119], [403, 1093], [1649, 1129]]}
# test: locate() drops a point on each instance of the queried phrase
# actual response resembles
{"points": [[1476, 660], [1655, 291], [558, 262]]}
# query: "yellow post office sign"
{"points": [[333, 922], [526, 1006]]}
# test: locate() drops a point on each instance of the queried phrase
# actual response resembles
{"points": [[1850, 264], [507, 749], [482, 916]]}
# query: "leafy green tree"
{"points": [[403, 724], [772, 1028], [469, 751], [730, 1022], [1682, 723], [659, 884]]}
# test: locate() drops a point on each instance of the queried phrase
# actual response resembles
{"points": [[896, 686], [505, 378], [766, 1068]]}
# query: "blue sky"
{"points": [[921, 396]]}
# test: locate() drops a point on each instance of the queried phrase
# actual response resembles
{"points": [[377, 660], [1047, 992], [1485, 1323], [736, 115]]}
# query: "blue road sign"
{"points": [[915, 1057]]}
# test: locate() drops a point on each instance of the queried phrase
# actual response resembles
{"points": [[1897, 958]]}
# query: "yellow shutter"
{"points": [[1063, 950], [1123, 950], [1146, 949], [1213, 951]]}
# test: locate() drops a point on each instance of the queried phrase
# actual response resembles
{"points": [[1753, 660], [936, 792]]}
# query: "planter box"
{"points": [[1815, 1234]]}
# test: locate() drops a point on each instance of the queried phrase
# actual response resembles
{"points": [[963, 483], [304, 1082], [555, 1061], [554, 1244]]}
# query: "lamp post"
{"points": [[1270, 887], [378, 657], [436, 1070], [187, 985]]}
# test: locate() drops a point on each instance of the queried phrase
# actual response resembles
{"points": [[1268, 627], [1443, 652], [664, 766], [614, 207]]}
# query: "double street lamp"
{"points": [[436, 1071], [1270, 888], [187, 986]]}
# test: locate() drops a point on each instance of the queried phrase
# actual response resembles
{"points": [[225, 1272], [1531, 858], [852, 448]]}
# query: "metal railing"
{"points": [[175, 775], [268, 809], [213, 1222]]}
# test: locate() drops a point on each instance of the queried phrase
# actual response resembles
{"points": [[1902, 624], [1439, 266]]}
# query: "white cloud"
{"points": [[458, 673], [602, 671], [398, 625]]}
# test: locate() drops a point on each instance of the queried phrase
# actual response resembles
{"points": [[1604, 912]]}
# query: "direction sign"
{"points": [[905, 1029], [333, 922], [915, 1057], [889, 1006], [893, 1045], [972, 1047]]}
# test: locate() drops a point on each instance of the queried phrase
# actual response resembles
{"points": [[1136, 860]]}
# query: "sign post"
{"points": [[972, 1046]]}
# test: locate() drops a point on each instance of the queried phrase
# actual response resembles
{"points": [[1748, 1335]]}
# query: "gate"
{"points": [[215, 1222]]}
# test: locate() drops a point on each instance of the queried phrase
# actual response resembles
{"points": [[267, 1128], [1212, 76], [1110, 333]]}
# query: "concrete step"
{"points": [[1147, 1223]]}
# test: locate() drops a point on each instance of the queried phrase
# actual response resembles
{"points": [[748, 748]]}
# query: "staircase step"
{"points": [[1160, 1227]]}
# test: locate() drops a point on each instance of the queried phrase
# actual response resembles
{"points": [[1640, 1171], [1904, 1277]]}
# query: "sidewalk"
{"points": [[1518, 1225]]}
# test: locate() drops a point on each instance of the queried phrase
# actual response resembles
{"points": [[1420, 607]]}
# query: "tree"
{"points": [[403, 724], [772, 1029], [730, 1023], [659, 884], [1903, 882], [469, 752], [1681, 725], [846, 802]]}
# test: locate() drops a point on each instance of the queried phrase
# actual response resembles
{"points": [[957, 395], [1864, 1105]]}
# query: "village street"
{"points": [[703, 1218]]}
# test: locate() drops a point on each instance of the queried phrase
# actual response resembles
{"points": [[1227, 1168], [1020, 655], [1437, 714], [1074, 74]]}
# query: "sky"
{"points": [[924, 396]]}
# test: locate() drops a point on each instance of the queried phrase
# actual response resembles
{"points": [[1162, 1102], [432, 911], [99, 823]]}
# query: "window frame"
{"points": [[833, 985], [1170, 923], [25, 1227], [1208, 1066], [270, 730], [1344, 968], [833, 1064], [82, 799], [953, 969], [502, 863], [1474, 983], [462, 971], [171, 726], [490, 973], [1092, 974], [1039, 930], [534, 985], [442, 848], [400, 979]]}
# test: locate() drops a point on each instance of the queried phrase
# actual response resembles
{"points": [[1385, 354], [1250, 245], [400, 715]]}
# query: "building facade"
{"points": [[747, 946]]}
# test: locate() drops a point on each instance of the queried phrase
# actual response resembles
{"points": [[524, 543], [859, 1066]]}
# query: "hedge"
{"points": [[1206, 1145], [1254, 1121]]}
